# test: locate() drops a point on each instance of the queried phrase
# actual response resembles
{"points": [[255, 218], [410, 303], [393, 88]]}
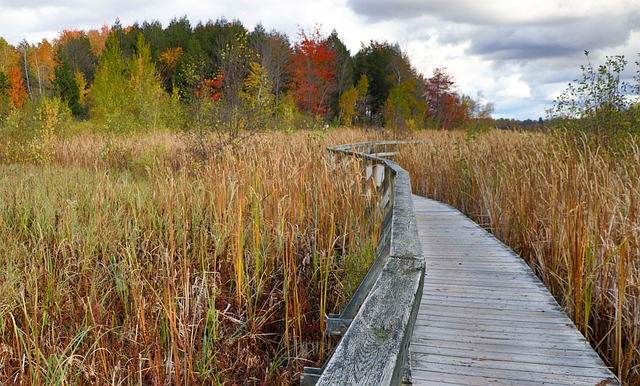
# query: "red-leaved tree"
{"points": [[446, 108], [312, 70], [211, 88]]}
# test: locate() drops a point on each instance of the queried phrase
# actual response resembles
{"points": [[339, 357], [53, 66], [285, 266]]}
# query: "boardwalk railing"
{"points": [[377, 324]]}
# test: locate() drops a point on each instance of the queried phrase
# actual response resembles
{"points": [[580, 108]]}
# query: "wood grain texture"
{"points": [[485, 318], [374, 349], [370, 351]]}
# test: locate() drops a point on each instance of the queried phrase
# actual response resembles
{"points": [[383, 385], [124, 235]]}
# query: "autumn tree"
{"points": [[98, 39], [394, 86], [362, 104], [146, 86], [445, 107], [42, 63], [24, 51], [402, 109], [169, 60], [348, 101], [111, 99], [17, 91], [9, 56], [127, 94], [256, 95], [353, 101], [312, 70]]}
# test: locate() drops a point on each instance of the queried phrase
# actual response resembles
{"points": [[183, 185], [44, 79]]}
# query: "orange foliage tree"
{"points": [[312, 70], [98, 39], [42, 63], [17, 92]]}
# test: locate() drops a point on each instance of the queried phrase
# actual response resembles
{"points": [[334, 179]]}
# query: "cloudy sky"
{"points": [[518, 54]]}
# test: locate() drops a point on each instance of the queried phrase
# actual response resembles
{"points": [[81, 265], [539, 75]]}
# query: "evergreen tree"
{"points": [[155, 35], [74, 47], [5, 83], [374, 62], [67, 87]]}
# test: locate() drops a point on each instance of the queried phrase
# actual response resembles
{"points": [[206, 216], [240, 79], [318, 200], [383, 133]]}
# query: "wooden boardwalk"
{"points": [[485, 318]]}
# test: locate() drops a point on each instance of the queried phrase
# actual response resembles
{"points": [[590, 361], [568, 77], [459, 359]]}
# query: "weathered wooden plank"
{"points": [[474, 329], [477, 306], [463, 294], [551, 357], [490, 317], [452, 282], [515, 375], [506, 338], [510, 365], [547, 321], [485, 318], [448, 377], [550, 353], [482, 290]]}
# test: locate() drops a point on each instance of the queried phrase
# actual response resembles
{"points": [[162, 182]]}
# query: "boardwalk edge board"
{"points": [[374, 347]]}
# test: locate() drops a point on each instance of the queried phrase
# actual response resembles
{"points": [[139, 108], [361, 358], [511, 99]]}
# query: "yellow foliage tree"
{"points": [[256, 92], [348, 102]]}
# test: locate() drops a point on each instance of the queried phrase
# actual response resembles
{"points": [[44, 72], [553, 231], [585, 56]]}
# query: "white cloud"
{"points": [[511, 86]]}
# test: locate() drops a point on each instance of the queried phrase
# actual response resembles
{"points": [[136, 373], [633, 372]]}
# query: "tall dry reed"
{"points": [[128, 261], [571, 211]]}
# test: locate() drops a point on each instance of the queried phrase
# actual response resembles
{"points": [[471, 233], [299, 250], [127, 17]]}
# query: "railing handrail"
{"points": [[380, 317]]}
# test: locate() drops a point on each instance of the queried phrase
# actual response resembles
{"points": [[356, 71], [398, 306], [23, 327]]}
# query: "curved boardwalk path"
{"points": [[485, 318]]}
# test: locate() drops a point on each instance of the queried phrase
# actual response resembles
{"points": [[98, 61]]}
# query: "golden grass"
{"points": [[572, 214], [127, 261]]}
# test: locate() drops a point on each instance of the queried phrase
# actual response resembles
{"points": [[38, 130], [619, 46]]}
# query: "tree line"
{"points": [[220, 77]]}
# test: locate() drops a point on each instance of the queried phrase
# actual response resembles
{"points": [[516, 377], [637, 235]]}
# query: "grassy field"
{"points": [[131, 261], [568, 207]]}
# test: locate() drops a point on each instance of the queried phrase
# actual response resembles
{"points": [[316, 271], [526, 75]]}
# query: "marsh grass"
{"points": [[567, 206], [128, 261]]}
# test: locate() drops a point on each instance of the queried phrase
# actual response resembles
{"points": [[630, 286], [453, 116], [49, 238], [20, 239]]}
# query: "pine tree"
{"points": [[67, 87]]}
